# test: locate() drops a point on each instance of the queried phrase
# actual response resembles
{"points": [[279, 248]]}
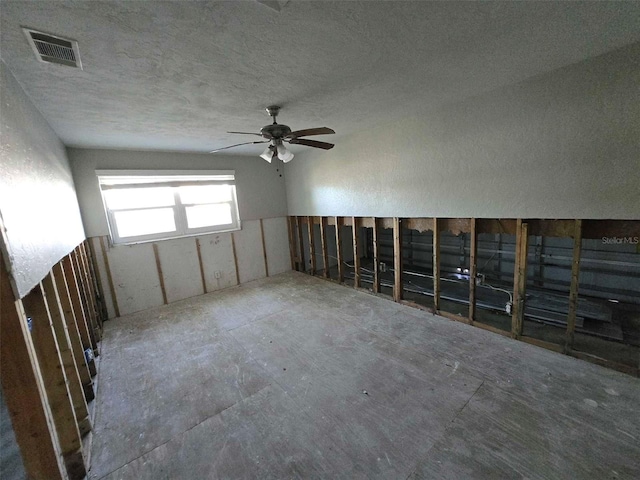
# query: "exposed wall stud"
{"points": [[376, 256], [90, 290], [436, 264], [73, 331], [520, 279], [201, 265], [292, 243], [264, 249], [302, 266], [356, 251], [312, 250], [473, 270], [325, 254], [156, 254], [112, 289], [93, 264], [91, 283], [55, 382], [23, 390], [573, 290], [76, 301], [339, 222], [52, 297], [235, 258], [397, 259], [84, 302]]}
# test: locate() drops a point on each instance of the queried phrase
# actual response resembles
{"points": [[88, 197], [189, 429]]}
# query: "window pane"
{"points": [[139, 198], [205, 194], [144, 222], [209, 215]]}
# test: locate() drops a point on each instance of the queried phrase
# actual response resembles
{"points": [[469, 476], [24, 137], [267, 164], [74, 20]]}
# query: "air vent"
{"points": [[53, 49]]}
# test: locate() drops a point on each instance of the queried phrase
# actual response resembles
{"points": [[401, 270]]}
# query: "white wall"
{"points": [[561, 145], [260, 189], [136, 278], [38, 204]]}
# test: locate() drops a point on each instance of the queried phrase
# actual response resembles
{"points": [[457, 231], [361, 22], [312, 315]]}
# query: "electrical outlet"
{"points": [[508, 307], [383, 267], [217, 274]]}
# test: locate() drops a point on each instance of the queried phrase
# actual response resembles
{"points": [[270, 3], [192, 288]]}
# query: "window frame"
{"points": [[128, 179]]}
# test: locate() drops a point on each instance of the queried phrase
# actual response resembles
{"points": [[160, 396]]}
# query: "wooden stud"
{"points": [[73, 331], [76, 301], [84, 297], [339, 250], [473, 269], [200, 264], [55, 381], [356, 251], [520, 279], [264, 249], [292, 245], [112, 288], [57, 315], [302, 266], [93, 262], [312, 250], [235, 258], [156, 254], [325, 254], [90, 290], [436, 264], [91, 284], [397, 259], [376, 256], [573, 290], [23, 391]]}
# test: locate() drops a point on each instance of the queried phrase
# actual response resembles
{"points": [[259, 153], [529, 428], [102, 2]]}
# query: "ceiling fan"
{"points": [[277, 134]]}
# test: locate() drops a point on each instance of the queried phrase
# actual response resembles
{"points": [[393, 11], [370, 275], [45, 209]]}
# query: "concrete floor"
{"points": [[296, 377]]}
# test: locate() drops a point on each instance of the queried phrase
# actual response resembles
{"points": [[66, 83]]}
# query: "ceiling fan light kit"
{"points": [[276, 134]]}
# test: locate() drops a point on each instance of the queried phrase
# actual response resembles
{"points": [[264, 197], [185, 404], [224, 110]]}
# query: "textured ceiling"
{"points": [[178, 75]]}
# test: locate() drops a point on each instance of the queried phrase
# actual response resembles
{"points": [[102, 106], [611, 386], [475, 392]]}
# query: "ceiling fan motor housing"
{"points": [[275, 130]]}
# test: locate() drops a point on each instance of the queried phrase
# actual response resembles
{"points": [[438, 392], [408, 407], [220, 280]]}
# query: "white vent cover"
{"points": [[53, 49]]}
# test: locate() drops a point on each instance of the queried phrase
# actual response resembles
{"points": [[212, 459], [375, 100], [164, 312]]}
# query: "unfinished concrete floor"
{"points": [[296, 377]]}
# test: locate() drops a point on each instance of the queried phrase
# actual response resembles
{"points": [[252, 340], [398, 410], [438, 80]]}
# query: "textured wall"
{"points": [[561, 145], [38, 203], [259, 186]]}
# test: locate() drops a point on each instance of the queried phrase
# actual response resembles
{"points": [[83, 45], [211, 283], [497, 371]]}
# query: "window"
{"points": [[143, 205]]}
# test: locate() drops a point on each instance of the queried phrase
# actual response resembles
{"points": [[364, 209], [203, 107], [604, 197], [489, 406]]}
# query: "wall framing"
{"points": [[521, 228]]}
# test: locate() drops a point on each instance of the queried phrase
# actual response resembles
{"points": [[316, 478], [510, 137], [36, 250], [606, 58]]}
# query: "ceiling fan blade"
{"points": [[310, 131], [237, 145], [311, 143], [246, 133]]}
